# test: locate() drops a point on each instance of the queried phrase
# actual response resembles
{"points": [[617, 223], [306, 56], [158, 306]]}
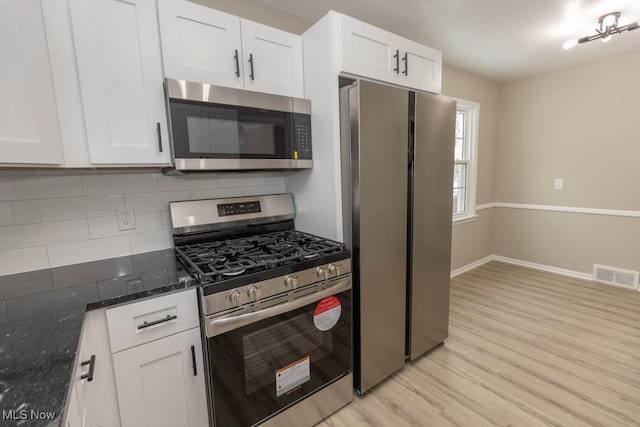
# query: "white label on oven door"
{"points": [[327, 313], [292, 376]]}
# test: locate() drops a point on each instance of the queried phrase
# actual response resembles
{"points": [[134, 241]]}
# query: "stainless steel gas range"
{"points": [[276, 310]]}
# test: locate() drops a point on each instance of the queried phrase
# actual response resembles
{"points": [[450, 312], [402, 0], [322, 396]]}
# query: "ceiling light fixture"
{"points": [[608, 26]]}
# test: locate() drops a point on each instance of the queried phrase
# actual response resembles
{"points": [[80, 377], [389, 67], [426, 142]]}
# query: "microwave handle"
{"points": [[220, 326]]}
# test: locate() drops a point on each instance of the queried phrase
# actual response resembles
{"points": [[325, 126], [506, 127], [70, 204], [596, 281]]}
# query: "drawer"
{"points": [[141, 322]]}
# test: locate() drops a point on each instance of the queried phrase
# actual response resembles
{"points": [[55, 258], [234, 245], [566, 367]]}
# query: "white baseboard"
{"points": [[522, 263], [471, 266], [544, 267]]}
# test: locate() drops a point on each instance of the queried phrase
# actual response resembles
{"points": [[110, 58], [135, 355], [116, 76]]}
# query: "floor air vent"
{"points": [[615, 276]]}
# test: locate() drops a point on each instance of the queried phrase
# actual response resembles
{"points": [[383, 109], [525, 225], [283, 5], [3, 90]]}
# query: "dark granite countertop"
{"points": [[41, 315]]}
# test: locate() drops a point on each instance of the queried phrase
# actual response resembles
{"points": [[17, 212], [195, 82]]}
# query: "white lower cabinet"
{"points": [[161, 383], [92, 401]]}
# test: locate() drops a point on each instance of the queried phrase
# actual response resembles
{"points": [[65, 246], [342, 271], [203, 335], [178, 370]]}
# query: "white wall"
{"points": [[54, 218]]}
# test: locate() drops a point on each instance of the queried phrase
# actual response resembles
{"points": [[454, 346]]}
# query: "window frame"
{"points": [[471, 110]]}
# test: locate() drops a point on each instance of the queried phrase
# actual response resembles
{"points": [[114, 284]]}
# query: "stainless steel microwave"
{"points": [[216, 128]]}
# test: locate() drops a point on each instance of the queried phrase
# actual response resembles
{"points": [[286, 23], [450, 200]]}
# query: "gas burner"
{"points": [[223, 259], [212, 258]]}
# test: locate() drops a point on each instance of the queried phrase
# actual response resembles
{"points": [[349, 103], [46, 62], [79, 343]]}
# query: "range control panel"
{"points": [[229, 209]]}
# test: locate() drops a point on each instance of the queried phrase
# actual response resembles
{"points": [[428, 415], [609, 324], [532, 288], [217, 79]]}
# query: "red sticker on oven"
{"points": [[327, 313]]}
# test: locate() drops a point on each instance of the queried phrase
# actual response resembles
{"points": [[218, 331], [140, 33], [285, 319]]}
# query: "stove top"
{"points": [[221, 260]]}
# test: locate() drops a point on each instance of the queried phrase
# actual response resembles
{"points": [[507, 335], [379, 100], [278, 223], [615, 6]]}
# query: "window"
{"points": [[465, 160]]}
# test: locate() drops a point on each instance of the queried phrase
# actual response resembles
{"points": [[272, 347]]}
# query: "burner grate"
{"points": [[222, 259]]}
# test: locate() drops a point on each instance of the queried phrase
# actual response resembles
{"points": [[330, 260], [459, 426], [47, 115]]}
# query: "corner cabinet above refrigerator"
{"points": [[372, 52]]}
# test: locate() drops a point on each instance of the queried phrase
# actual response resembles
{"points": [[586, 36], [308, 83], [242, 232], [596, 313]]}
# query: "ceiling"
{"points": [[500, 39]]}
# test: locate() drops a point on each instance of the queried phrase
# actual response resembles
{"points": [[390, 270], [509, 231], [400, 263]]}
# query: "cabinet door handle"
{"points": [[235, 56], [146, 324], [397, 57], [193, 361], [251, 74], [92, 364], [159, 136], [406, 64]]}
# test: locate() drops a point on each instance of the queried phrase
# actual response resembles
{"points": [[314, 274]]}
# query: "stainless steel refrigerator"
{"points": [[397, 172]]}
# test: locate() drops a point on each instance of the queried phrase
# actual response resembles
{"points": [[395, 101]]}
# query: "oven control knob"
{"points": [[254, 293], [291, 282], [334, 270], [322, 272], [236, 298]]}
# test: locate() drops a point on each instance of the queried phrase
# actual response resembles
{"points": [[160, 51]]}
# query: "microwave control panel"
{"points": [[302, 136]]}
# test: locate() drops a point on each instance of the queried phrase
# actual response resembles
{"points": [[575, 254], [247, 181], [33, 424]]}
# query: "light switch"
{"points": [[558, 184]]}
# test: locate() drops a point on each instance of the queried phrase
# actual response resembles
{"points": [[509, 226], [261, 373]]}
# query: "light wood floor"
{"points": [[525, 348]]}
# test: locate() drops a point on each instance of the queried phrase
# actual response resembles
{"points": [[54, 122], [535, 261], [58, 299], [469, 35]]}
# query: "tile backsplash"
{"points": [[56, 218]]}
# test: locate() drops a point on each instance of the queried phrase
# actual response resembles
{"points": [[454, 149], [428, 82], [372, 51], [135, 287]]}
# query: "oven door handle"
{"points": [[226, 324]]}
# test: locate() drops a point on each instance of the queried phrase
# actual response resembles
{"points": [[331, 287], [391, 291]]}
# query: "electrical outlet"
{"points": [[126, 218], [558, 184]]}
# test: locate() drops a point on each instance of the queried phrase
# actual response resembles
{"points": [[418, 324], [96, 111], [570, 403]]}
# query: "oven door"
{"points": [[269, 363]]}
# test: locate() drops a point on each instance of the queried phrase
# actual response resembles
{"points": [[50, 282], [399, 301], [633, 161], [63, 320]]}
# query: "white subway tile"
{"points": [[263, 189], [240, 180], [26, 236], [15, 172], [166, 220], [20, 212], [107, 226], [146, 242], [88, 250], [216, 193], [21, 260], [186, 182], [104, 184], [39, 187], [274, 178], [49, 172], [151, 202], [79, 207]]}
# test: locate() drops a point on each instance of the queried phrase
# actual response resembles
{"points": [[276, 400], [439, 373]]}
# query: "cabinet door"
{"points": [[368, 51], [421, 67], [200, 44], [120, 73], [158, 384], [273, 60], [29, 130]]}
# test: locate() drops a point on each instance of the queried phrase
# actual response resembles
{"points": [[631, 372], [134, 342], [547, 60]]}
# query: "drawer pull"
{"points": [[92, 364], [146, 324]]}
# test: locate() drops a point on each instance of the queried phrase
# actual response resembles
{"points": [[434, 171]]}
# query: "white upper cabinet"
{"points": [[29, 130], [273, 60], [204, 45], [120, 75], [371, 52], [367, 50], [200, 44], [421, 67]]}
